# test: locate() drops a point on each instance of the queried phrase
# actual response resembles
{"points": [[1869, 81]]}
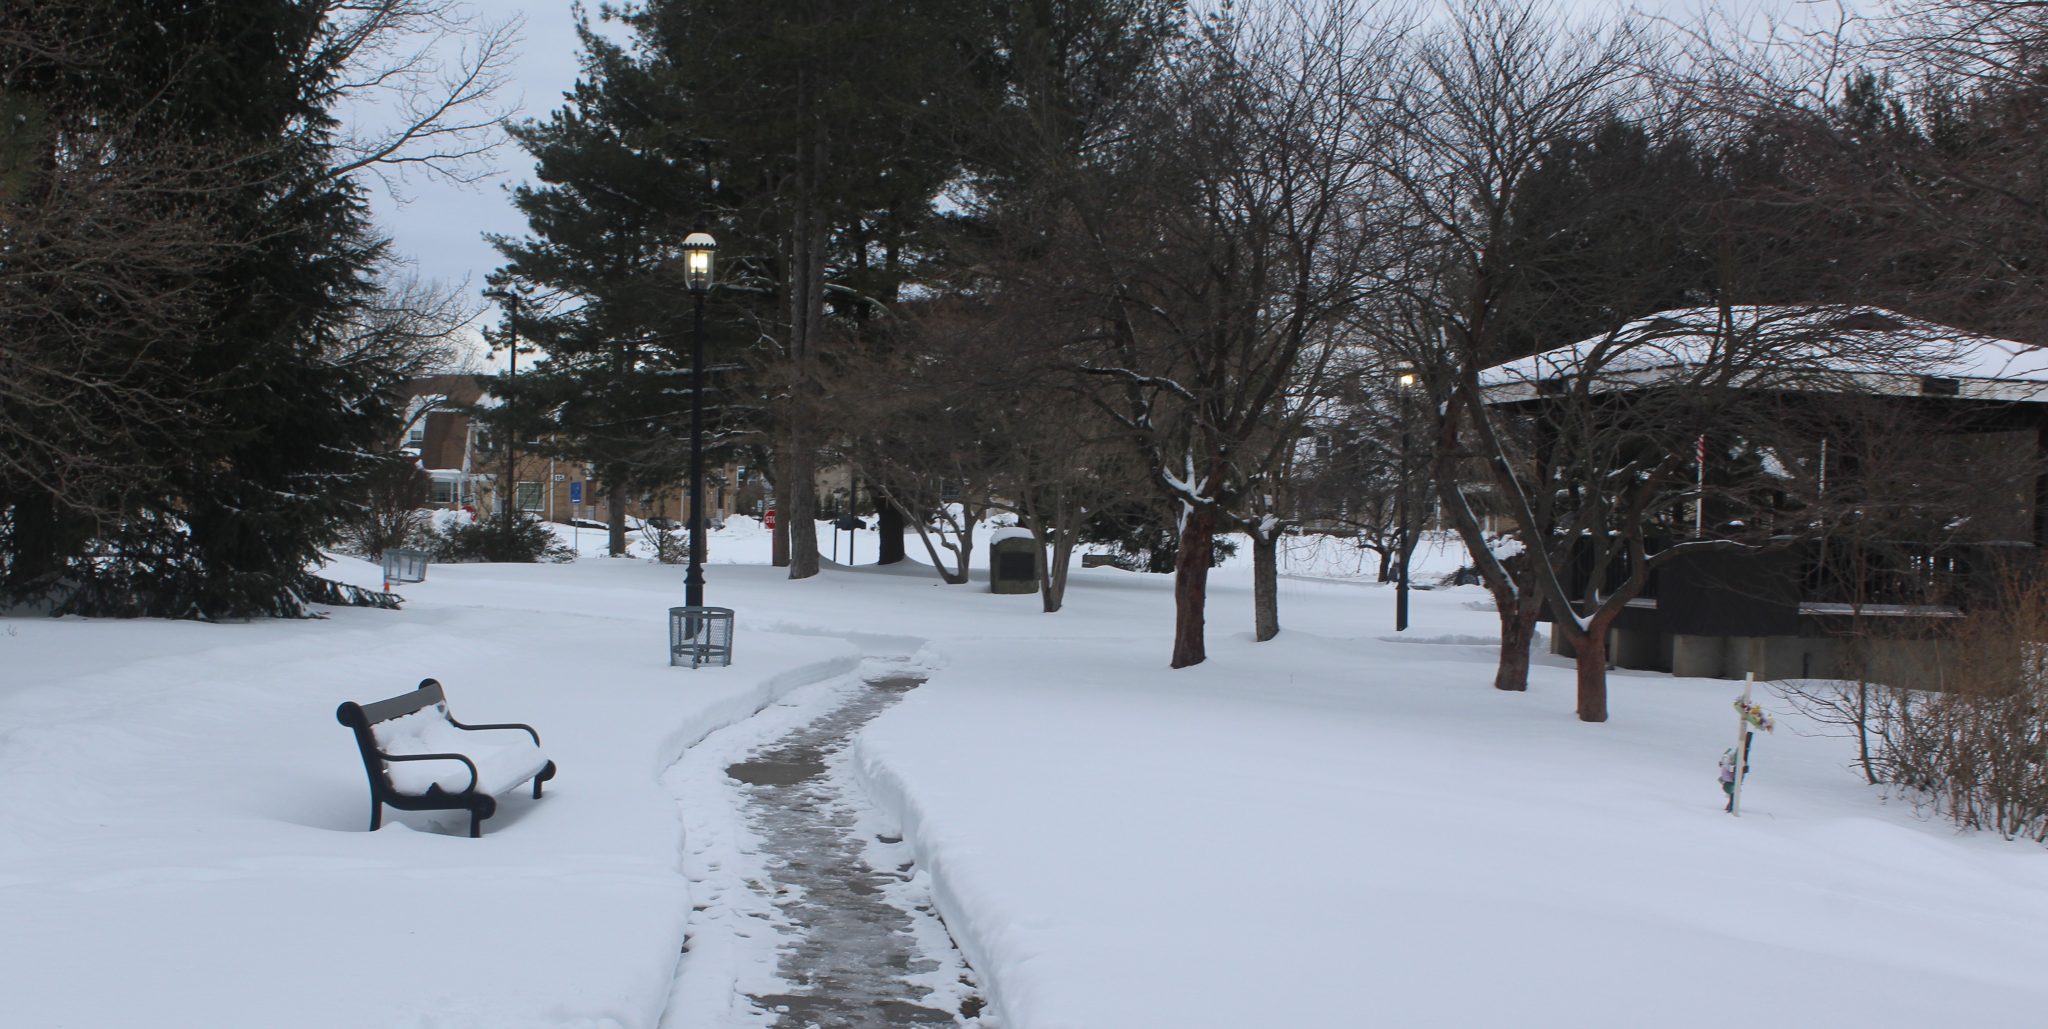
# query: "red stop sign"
{"points": [[768, 519]]}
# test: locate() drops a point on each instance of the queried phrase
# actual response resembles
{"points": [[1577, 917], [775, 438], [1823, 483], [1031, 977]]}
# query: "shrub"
{"points": [[389, 514], [671, 546], [486, 540], [1960, 721]]}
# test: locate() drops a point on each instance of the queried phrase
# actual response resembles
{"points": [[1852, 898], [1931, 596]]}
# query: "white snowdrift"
{"points": [[1333, 828]]}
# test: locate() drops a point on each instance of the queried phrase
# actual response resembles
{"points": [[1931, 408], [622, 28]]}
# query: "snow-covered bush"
{"points": [[530, 540], [671, 546]]}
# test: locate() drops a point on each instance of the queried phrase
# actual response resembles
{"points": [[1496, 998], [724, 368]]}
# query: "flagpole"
{"points": [[1699, 504]]}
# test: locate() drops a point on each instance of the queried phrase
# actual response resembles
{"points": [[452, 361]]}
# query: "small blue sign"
{"points": [[575, 493]]}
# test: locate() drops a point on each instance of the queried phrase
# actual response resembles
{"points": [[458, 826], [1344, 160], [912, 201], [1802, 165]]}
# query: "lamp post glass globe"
{"points": [[697, 250]]}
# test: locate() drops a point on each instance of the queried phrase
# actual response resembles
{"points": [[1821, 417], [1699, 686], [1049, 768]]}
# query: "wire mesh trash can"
{"points": [[699, 636], [405, 566]]}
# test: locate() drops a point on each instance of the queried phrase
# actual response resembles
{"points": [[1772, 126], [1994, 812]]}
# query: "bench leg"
{"points": [[376, 813], [476, 825]]}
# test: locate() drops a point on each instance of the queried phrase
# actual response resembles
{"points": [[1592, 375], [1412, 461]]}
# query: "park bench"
{"points": [[1097, 560], [419, 758]]}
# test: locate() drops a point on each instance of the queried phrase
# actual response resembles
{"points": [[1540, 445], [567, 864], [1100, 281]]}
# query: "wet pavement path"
{"points": [[855, 955]]}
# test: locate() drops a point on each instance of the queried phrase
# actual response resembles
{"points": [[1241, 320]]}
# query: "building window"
{"points": [[529, 496], [443, 491], [416, 434]]}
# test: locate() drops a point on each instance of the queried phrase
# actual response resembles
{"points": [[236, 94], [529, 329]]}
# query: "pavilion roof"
{"points": [[1823, 348]]}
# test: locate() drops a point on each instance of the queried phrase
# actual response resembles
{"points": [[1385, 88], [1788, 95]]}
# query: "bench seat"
{"points": [[504, 758]]}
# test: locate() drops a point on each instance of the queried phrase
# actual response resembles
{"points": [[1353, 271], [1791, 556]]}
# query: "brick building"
{"points": [[463, 464]]}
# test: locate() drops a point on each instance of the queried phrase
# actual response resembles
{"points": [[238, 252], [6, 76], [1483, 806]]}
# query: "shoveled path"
{"points": [[859, 940]]}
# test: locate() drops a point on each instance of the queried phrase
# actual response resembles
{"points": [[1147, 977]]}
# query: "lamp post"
{"points": [[698, 248], [1404, 380]]}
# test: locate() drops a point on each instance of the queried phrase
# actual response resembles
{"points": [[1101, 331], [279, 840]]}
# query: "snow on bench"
{"points": [[419, 758]]}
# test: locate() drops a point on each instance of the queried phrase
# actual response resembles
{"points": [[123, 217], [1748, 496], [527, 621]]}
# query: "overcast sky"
{"points": [[439, 227]]}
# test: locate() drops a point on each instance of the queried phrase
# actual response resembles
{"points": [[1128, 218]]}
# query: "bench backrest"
{"points": [[427, 695], [361, 717]]}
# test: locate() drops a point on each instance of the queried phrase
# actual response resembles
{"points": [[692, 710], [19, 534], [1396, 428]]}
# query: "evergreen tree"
{"points": [[815, 137], [606, 220], [248, 452]]}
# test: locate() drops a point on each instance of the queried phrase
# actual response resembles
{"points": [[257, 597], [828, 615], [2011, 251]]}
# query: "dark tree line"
{"points": [[1186, 237]]}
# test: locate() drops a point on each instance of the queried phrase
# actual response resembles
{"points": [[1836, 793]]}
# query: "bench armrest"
{"points": [[471, 765], [500, 725]]}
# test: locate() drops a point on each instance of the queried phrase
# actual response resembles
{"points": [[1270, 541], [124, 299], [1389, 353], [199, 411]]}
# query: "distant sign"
{"points": [[575, 493], [561, 477], [768, 520]]}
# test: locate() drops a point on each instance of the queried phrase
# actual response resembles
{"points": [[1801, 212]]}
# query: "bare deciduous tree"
{"points": [[1213, 251], [418, 87], [1466, 131]]}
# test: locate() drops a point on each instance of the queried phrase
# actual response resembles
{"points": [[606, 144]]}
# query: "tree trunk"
{"points": [[1518, 609], [1517, 636], [1592, 667], [799, 484], [1059, 544], [615, 520], [947, 570], [1191, 585], [1386, 573], [889, 531], [800, 511], [1265, 586], [1053, 591]]}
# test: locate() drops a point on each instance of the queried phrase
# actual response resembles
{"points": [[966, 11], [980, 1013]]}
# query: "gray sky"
{"points": [[440, 225]]}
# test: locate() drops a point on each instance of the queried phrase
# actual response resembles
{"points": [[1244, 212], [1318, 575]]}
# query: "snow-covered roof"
{"points": [[1813, 348], [423, 402]]}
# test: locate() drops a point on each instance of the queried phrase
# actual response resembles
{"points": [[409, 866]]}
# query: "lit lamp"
{"points": [[698, 249]]}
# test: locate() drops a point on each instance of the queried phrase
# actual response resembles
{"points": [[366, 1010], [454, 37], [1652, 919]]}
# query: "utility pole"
{"points": [[509, 494]]}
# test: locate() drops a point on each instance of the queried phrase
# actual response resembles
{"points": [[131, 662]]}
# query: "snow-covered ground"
{"points": [[1342, 826]]}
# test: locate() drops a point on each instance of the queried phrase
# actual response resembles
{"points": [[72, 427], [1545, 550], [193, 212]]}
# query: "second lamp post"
{"points": [[698, 248], [1404, 382]]}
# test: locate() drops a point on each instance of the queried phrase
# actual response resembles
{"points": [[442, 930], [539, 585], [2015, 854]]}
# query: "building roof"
{"points": [[1784, 347], [430, 401]]}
